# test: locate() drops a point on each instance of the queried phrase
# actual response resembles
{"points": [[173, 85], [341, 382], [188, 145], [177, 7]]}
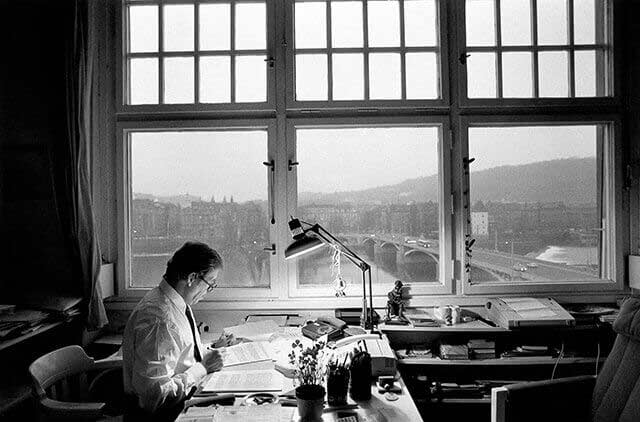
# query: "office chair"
{"points": [[612, 396], [70, 385]]}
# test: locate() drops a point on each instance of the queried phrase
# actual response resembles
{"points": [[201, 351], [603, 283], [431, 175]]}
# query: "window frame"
{"points": [[613, 266], [124, 205], [613, 75], [122, 73], [445, 284], [442, 55]]}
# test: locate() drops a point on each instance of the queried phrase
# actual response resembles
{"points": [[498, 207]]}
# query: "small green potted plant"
{"points": [[310, 365]]}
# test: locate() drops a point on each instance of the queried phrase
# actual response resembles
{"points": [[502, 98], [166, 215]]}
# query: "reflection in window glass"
{"points": [[215, 77], [481, 75], [384, 76], [517, 71], [311, 77], [143, 29], [251, 79], [480, 22], [215, 27], [251, 26], [372, 203], [205, 186], [554, 73], [420, 23], [384, 23], [310, 25], [515, 22], [178, 27], [348, 76], [346, 24], [534, 203], [143, 84], [552, 22]]}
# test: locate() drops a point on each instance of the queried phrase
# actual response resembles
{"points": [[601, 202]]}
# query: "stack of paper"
{"points": [[454, 351], [247, 353], [482, 349], [244, 381], [20, 322], [254, 331]]}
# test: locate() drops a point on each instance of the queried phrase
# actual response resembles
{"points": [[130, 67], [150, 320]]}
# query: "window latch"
{"points": [[292, 164], [463, 58], [270, 61], [271, 249]]}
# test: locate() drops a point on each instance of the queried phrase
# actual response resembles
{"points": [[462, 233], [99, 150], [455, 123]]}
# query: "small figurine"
{"points": [[395, 306]]}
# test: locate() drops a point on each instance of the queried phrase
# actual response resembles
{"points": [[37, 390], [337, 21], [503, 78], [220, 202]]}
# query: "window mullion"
{"points": [[196, 54], [534, 41], [234, 56], [329, 53], [161, 53], [365, 38], [572, 52], [403, 55], [498, 49]]}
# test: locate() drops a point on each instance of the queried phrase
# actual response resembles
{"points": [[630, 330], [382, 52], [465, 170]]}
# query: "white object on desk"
{"points": [[244, 381], [254, 331], [247, 353]]}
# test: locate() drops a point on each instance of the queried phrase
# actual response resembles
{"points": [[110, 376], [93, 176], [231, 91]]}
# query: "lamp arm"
{"points": [[331, 239]]}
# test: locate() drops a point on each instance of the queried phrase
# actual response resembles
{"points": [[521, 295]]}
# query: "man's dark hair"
{"points": [[192, 257]]}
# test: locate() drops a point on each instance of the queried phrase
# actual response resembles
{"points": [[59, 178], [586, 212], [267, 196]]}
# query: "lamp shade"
{"points": [[301, 246]]}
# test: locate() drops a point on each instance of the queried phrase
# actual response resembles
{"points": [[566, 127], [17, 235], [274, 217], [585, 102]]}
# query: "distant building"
{"points": [[480, 223]]}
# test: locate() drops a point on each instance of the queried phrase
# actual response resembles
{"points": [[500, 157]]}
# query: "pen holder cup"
{"points": [[337, 386], [310, 402], [360, 383]]}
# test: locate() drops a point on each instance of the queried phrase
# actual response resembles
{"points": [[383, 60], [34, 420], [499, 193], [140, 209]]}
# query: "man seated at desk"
{"points": [[163, 358]]}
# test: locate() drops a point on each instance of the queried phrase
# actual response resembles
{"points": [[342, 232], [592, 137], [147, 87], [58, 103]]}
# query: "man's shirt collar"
{"points": [[173, 296]]}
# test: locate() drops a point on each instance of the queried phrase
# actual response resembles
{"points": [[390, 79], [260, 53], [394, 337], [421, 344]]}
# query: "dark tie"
{"points": [[196, 351]]}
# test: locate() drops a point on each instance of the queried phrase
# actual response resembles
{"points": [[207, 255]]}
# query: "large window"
{"points": [[465, 147]]}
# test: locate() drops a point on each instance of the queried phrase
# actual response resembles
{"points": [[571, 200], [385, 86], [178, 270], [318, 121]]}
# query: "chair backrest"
{"points": [[616, 396], [61, 374]]}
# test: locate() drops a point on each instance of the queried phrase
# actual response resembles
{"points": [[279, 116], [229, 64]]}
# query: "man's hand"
{"points": [[212, 360], [226, 340]]}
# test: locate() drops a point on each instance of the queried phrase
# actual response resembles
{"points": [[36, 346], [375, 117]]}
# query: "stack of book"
{"points": [[420, 352], [482, 349], [454, 351], [21, 321], [531, 351], [423, 320]]}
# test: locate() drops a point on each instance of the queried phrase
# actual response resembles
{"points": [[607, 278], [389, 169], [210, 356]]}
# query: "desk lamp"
{"points": [[315, 236]]}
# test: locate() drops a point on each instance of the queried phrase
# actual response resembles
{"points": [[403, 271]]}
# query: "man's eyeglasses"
{"points": [[210, 285]]}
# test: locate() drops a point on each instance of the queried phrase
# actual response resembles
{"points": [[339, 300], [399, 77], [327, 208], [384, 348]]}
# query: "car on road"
{"points": [[532, 265], [520, 267]]}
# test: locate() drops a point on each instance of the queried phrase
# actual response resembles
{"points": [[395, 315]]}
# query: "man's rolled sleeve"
{"points": [[157, 354]]}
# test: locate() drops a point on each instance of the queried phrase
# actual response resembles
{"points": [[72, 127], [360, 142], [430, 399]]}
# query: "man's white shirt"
{"points": [[159, 366]]}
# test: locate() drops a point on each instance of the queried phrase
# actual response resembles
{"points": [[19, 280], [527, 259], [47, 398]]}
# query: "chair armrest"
{"points": [[70, 410], [560, 399]]}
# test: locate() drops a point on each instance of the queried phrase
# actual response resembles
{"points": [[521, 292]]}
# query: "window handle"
{"points": [[272, 165], [463, 58], [270, 61], [292, 164], [271, 249]]}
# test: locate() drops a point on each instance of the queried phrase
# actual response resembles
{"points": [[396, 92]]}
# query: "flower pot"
{"points": [[310, 402]]}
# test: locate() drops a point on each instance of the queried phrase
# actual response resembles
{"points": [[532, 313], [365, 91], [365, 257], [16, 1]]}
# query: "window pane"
{"points": [[552, 22], [178, 28], [348, 76], [215, 79], [251, 79], [384, 23], [178, 80], [251, 26], [554, 73], [480, 23], [420, 23], [481, 75], [311, 77], [584, 21], [204, 186], [143, 29], [515, 22], [311, 25], [422, 76], [377, 190], [346, 24], [384, 76], [215, 27], [517, 71], [143, 75], [534, 203], [585, 69]]}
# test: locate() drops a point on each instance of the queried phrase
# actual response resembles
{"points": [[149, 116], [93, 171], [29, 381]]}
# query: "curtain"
{"points": [[80, 99]]}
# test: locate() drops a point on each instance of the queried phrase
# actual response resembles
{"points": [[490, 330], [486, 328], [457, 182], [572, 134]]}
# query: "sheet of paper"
{"points": [[281, 320], [255, 331], [247, 352], [537, 313], [244, 381], [265, 413], [524, 304]]}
